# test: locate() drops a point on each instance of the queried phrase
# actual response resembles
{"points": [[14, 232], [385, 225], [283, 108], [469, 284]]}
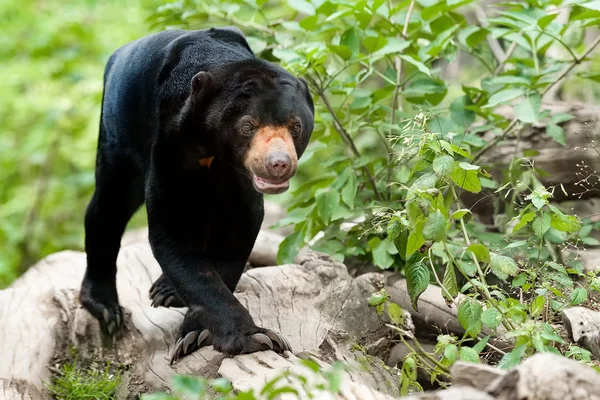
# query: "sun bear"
{"points": [[197, 127]]}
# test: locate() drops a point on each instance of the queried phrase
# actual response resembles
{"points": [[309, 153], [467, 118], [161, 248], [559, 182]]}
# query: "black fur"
{"points": [[159, 118]]}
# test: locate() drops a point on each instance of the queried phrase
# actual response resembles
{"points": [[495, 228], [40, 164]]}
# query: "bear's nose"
{"points": [[279, 163]]}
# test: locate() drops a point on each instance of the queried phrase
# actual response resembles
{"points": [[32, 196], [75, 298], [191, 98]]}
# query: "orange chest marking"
{"points": [[206, 161]]}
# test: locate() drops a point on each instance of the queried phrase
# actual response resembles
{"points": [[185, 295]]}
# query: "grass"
{"points": [[74, 382]]}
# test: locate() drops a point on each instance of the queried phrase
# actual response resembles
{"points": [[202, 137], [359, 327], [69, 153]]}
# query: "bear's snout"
{"points": [[278, 164]]}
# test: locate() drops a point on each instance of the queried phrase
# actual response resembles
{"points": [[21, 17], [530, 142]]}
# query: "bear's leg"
{"points": [[119, 193]]}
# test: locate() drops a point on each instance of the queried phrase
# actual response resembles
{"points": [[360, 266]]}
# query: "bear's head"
{"points": [[255, 116]]}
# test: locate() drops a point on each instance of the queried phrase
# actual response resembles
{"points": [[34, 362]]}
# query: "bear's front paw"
{"points": [[102, 302], [163, 295], [190, 342], [240, 342]]}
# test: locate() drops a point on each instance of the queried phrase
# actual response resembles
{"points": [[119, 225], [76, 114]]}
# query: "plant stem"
{"points": [[421, 353], [437, 278], [348, 139], [398, 63], [484, 293]]}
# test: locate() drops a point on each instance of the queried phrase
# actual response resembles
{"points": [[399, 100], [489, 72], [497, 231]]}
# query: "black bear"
{"points": [[199, 128]]}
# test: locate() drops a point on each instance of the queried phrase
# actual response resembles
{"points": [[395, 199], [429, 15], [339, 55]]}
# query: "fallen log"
{"points": [[315, 304]]}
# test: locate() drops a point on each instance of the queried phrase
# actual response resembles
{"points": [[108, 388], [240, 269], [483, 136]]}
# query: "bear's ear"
{"points": [[203, 82]]}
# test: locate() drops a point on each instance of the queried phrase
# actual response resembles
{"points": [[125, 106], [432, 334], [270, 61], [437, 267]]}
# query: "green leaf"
{"points": [[414, 243], [541, 225], [469, 316], [471, 36], [381, 256], [342, 51], [424, 182], [394, 228], [561, 117], [350, 40], [349, 191], [450, 283], [288, 249], [467, 180], [417, 280], [443, 165], [537, 305], [467, 354], [525, 219], [378, 298], [420, 66], [481, 344], [374, 43], [564, 223], [508, 80], [221, 385], [503, 266], [557, 133], [519, 280], [462, 116], [395, 313], [435, 227], [593, 76], [513, 358], [528, 110], [394, 45], [480, 251], [189, 386], [458, 214], [451, 353], [468, 167], [302, 6], [491, 318], [578, 296], [544, 21], [158, 396], [504, 96], [327, 200]]}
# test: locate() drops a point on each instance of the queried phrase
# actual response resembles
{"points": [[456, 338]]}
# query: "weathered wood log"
{"points": [[583, 325], [547, 376], [477, 376], [561, 164], [316, 305]]}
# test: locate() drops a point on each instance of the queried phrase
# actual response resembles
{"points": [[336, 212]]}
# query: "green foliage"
{"points": [[53, 55], [310, 380], [73, 382]]}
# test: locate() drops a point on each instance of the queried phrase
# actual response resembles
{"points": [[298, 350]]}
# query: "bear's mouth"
{"points": [[270, 186]]}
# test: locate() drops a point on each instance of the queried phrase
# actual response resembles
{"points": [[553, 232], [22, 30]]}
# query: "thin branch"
{"points": [[398, 64], [348, 139]]}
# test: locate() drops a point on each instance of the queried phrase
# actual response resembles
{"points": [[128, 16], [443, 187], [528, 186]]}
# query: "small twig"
{"points": [[347, 138], [398, 63], [439, 282]]}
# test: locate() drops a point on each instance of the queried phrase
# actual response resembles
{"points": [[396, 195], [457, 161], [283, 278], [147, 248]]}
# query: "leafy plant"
{"points": [[311, 380]]}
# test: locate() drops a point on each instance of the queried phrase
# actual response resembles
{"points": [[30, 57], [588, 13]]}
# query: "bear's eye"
{"points": [[296, 127], [247, 128]]}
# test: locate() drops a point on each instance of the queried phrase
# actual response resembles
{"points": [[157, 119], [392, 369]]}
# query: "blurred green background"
{"points": [[53, 55]]}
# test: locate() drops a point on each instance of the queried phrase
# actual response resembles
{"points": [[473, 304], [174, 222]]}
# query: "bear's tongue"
{"points": [[264, 184]]}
